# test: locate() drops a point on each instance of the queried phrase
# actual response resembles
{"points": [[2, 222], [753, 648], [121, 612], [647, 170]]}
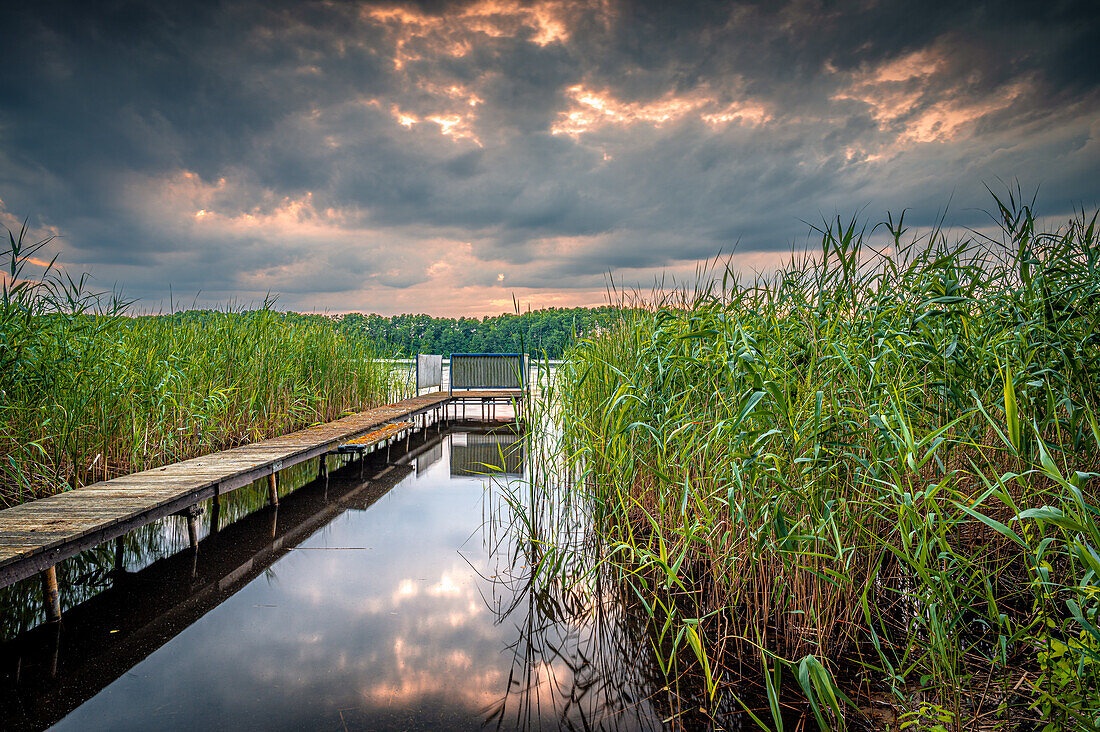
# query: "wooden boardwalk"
{"points": [[35, 536]]}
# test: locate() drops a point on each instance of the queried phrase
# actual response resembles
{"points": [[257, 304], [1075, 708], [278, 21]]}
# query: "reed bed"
{"points": [[864, 484], [88, 393]]}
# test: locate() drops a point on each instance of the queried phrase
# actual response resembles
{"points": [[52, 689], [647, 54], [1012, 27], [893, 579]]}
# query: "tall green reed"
{"points": [[820, 469], [88, 392]]}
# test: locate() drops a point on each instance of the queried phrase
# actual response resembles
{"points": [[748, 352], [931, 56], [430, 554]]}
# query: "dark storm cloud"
{"points": [[435, 155]]}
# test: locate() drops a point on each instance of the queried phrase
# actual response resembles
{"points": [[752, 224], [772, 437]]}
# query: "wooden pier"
{"points": [[35, 536]]}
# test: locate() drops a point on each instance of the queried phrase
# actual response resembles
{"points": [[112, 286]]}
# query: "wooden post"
{"points": [[51, 598], [119, 554], [215, 512], [273, 490], [322, 468], [193, 527], [55, 648]]}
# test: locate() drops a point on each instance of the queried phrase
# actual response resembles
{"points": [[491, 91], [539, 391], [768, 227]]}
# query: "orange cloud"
{"points": [[415, 34], [450, 31], [458, 92], [34, 233], [919, 64], [908, 94], [455, 126], [591, 109], [404, 119]]}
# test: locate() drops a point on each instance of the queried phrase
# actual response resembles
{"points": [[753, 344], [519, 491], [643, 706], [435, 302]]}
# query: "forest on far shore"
{"points": [[546, 331]]}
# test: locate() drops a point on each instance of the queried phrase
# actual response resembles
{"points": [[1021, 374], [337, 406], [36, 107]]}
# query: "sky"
{"points": [[447, 157]]}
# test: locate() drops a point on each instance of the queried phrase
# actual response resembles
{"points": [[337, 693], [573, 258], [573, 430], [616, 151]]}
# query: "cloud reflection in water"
{"points": [[385, 618]]}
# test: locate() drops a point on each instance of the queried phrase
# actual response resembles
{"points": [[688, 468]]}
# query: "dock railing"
{"points": [[488, 371], [429, 372]]}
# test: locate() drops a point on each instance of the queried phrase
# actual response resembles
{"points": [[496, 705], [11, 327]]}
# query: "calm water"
{"points": [[400, 600]]}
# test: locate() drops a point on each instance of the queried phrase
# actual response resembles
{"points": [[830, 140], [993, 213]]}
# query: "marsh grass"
{"points": [[89, 393], [865, 481]]}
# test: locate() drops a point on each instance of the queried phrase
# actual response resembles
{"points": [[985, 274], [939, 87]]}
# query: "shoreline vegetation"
{"points": [[88, 393], [863, 486], [547, 332]]}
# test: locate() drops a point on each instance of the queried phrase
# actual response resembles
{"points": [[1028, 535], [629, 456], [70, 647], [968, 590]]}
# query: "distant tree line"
{"points": [[548, 331]]}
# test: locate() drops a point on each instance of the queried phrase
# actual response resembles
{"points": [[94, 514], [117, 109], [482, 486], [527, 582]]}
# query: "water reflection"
{"points": [[399, 601], [497, 453]]}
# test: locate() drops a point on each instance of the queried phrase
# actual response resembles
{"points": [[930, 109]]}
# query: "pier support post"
{"points": [[119, 554], [322, 467], [273, 490], [193, 527], [55, 650], [51, 598], [215, 512]]}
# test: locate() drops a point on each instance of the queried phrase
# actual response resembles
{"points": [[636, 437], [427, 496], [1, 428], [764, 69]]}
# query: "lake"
{"points": [[391, 596]]}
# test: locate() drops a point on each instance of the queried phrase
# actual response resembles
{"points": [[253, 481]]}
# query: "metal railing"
{"points": [[429, 371], [488, 371]]}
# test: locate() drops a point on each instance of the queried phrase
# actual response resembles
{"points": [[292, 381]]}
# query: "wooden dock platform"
{"points": [[35, 536]]}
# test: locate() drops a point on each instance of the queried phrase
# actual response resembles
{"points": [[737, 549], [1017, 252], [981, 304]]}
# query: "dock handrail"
{"points": [[429, 371], [506, 371]]}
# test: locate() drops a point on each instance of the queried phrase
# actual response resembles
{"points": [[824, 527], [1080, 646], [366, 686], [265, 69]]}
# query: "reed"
{"points": [[88, 392], [869, 476]]}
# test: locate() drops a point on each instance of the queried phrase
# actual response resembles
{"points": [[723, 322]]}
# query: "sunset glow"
{"points": [[593, 109]]}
